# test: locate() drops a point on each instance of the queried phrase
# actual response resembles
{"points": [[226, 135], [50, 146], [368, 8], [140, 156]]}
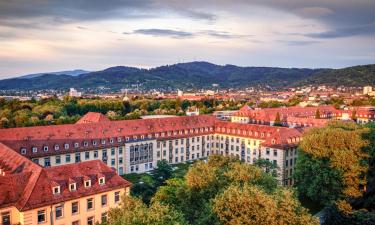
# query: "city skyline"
{"points": [[52, 36]]}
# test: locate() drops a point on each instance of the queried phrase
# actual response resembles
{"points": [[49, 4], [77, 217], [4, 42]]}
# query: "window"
{"points": [[58, 159], [275, 152], [87, 183], [113, 162], [117, 196], [67, 158], [72, 186], [23, 151], [78, 157], [35, 149], [41, 216], [101, 180], [66, 146], [5, 218], [47, 162], [87, 155], [75, 223], [45, 148], [104, 217], [95, 154], [267, 151], [56, 190], [112, 151], [75, 208], [76, 145], [90, 203], [57, 147], [58, 212], [104, 200], [90, 220]]}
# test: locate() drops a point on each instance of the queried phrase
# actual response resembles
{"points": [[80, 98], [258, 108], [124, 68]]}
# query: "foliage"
{"points": [[202, 194], [133, 211], [249, 204]]}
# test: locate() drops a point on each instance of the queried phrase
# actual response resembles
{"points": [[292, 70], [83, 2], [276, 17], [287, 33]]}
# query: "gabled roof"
{"points": [[93, 117], [26, 185]]}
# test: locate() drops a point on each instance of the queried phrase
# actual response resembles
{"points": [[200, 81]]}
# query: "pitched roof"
{"points": [[93, 117], [271, 135], [24, 182]]}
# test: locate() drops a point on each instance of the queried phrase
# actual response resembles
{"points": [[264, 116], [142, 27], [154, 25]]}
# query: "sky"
{"points": [[54, 35]]}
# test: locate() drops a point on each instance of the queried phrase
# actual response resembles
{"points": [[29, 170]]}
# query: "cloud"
{"points": [[368, 29], [179, 34], [314, 11], [222, 34], [164, 33], [297, 43]]}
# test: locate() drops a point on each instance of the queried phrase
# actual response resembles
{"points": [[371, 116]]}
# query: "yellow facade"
{"points": [[83, 216]]}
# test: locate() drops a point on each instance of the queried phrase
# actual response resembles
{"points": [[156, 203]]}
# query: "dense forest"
{"points": [[195, 75], [14, 113]]}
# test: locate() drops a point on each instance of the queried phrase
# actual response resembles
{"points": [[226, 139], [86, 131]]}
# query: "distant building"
{"points": [[74, 93], [180, 93], [192, 112], [367, 90]]}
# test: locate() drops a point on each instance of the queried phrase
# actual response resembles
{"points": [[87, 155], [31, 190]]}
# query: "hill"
{"points": [[68, 72], [356, 76], [194, 75]]}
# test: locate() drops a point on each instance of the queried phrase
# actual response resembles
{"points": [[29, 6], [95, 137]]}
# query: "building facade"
{"points": [[135, 146], [80, 193]]}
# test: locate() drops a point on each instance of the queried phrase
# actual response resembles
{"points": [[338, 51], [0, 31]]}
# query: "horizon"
{"points": [[149, 68], [91, 35]]}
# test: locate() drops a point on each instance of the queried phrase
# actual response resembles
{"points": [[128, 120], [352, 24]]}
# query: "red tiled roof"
{"points": [[272, 135], [26, 185], [93, 117], [40, 136]]}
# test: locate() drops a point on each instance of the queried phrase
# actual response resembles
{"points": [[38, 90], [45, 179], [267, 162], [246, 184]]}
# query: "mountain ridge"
{"points": [[195, 75]]}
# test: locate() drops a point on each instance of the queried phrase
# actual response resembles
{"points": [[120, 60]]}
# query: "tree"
{"points": [[249, 204], [162, 172], [317, 114], [198, 194], [277, 121], [133, 211]]}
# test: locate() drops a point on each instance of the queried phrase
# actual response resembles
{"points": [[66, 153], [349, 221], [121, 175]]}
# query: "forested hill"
{"points": [[195, 75], [355, 76]]}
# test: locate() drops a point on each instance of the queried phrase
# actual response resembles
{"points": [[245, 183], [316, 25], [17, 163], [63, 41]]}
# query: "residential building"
{"points": [[80, 193], [135, 146]]}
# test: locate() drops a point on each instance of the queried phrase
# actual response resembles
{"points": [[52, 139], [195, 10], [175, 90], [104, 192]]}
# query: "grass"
{"points": [[179, 171]]}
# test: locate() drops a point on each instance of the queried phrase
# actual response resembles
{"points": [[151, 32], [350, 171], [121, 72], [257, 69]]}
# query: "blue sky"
{"points": [[53, 35]]}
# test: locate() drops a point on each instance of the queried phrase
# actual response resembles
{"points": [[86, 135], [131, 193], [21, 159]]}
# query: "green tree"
{"points": [[277, 121], [162, 172], [133, 211]]}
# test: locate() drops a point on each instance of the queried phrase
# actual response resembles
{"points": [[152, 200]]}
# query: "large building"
{"points": [[297, 116], [137, 145], [80, 193]]}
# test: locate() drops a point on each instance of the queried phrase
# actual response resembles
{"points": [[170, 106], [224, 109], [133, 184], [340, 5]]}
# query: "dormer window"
{"points": [[72, 187], [87, 183], [103, 142], [85, 143], [111, 140], [56, 190], [57, 147], [35, 149], [23, 151], [94, 143], [127, 138], [66, 146], [76, 145], [101, 180], [119, 139], [45, 148], [142, 137]]}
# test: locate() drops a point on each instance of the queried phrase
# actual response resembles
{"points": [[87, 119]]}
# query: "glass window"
{"points": [[117, 196], [5, 218], [58, 159], [90, 203], [58, 212], [104, 200], [90, 220], [41, 216], [67, 158], [75, 207]]}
